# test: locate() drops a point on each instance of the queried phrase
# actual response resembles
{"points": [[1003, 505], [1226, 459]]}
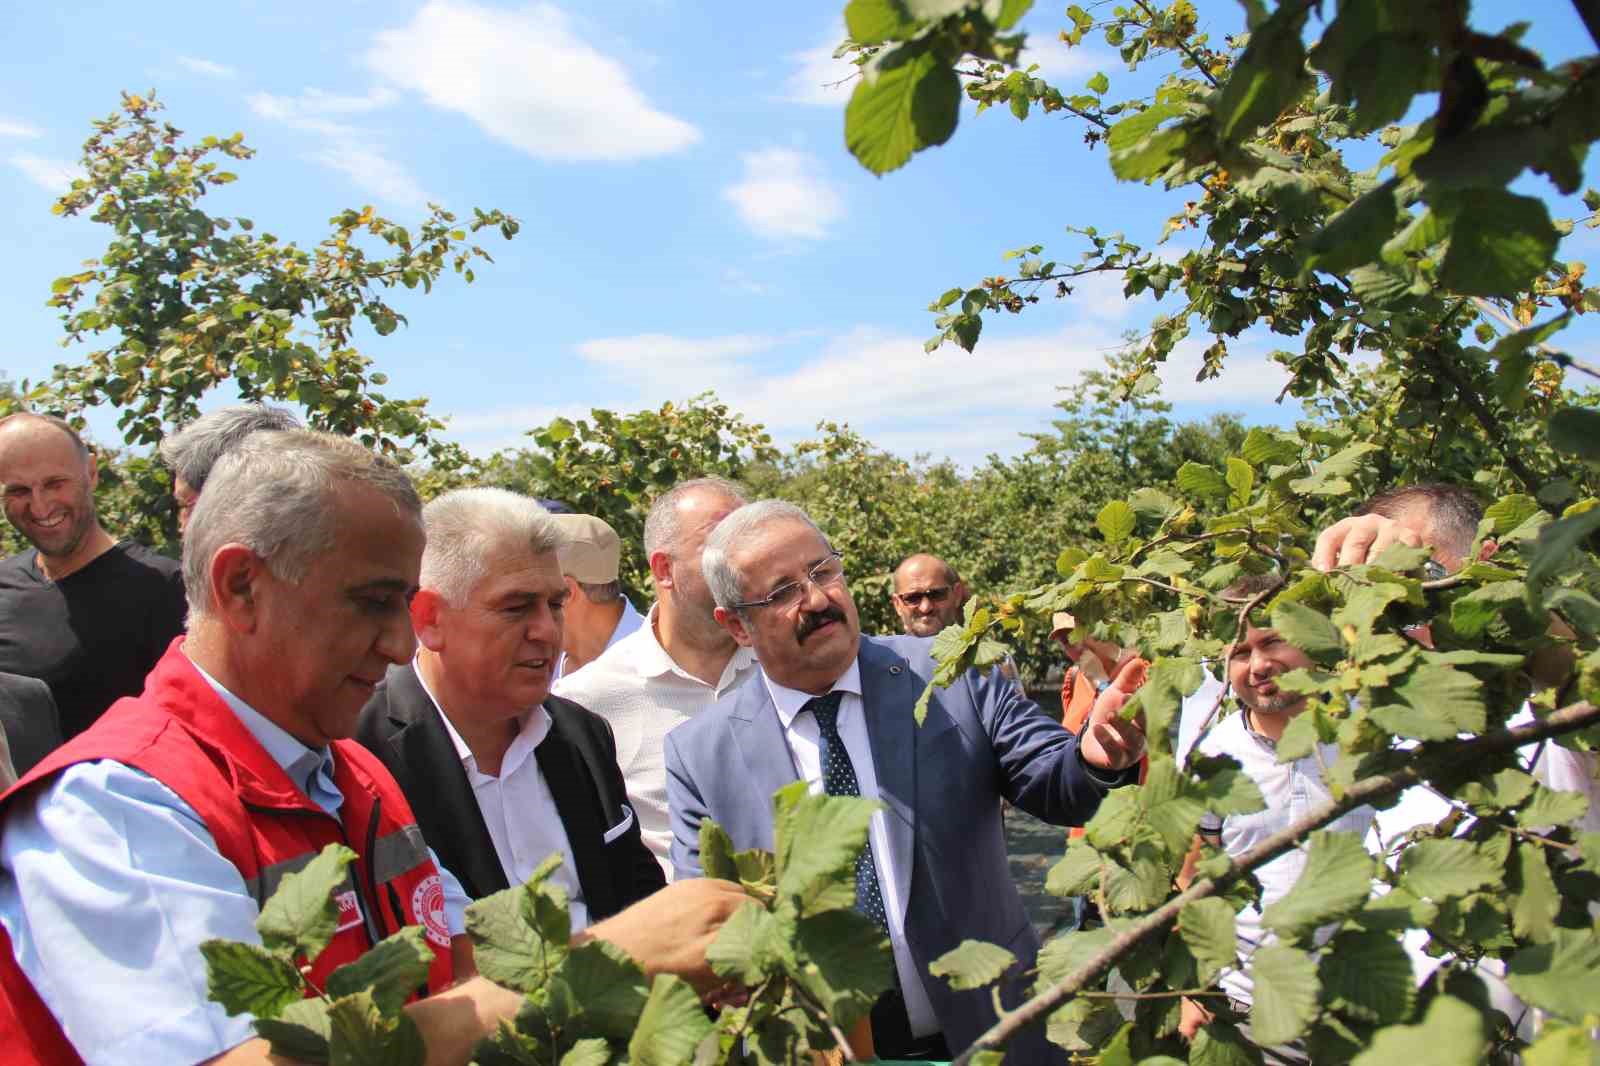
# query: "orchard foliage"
{"points": [[813, 966], [1418, 259]]}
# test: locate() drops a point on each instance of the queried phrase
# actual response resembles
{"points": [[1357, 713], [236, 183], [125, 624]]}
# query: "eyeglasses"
{"points": [[1433, 570], [938, 594], [828, 572]]}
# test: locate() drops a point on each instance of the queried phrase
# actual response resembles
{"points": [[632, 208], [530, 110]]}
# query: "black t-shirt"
{"points": [[93, 635]]}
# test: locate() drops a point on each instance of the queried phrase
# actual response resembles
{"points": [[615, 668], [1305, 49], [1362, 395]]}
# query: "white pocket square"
{"points": [[621, 827]]}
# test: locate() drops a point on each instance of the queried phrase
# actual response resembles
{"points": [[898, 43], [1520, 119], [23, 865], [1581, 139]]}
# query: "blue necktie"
{"points": [[839, 779]]}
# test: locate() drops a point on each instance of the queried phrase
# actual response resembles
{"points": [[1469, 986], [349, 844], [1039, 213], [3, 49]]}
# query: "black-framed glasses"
{"points": [[937, 594], [828, 572]]}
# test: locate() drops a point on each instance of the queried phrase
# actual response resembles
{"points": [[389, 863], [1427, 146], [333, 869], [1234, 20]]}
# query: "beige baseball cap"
{"points": [[590, 549]]}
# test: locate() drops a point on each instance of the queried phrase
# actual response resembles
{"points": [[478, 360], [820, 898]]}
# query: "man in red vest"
{"points": [[170, 820]]}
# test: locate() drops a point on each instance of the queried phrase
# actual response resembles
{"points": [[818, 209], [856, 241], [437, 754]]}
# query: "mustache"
{"points": [[810, 623]]}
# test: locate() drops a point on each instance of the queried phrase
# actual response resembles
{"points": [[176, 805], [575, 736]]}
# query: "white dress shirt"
{"points": [[804, 736], [642, 693], [518, 808]]}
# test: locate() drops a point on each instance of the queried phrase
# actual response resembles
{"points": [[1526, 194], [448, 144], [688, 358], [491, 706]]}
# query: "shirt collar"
{"points": [[298, 761], [790, 701], [535, 727], [653, 660]]}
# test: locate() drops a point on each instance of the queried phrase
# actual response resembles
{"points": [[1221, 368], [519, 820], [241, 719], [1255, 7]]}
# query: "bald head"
{"points": [[48, 477], [928, 594]]}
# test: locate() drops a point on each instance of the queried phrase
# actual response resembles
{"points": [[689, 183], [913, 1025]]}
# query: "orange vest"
{"points": [[181, 733]]}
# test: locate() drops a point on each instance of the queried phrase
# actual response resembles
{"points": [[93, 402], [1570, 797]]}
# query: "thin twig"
{"points": [[1185, 48], [821, 1012], [1427, 758], [1561, 358]]}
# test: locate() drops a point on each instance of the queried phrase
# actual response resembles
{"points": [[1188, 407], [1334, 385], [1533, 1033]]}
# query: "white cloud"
{"points": [[736, 280], [368, 168], [206, 67], [11, 128], [784, 194], [948, 404], [488, 431], [1064, 67], [51, 175], [356, 153], [818, 78], [526, 78]]}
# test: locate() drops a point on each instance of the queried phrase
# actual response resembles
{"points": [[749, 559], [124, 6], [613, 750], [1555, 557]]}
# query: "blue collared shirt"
{"points": [[108, 885]]}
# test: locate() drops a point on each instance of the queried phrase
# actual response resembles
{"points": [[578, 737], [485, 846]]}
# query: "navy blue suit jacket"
{"points": [[941, 785]]}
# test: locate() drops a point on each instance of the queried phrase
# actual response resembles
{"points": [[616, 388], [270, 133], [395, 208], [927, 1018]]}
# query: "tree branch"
{"points": [[1424, 759], [1185, 48]]}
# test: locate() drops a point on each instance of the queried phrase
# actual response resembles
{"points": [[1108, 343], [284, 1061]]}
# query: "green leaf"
{"points": [[973, 964], [1355, 236], [1078, 871], [1563, 1045], [1367, 976], [1098, 84], [1197, 479], [821, 875], [363, 1035], [1115, 522], [1509, 512], [1268, 77], [1441, 869], [1241, 479], [1472, 614], [1263, 448], [1224, 787], [716, 852], [302, 1032], [1451, 1034], [1309, 630], [1207, 928], [1337, 880], [670, 1026], [735, 953], [507, 948], [1220, 1044], [300, 916], [1140, 150], [848, 963], [1499, 242], [1561, 976], [1550, 807], [1284, 993], [1557, 545], [594, 1051], [391, 970], [877, 21], [247, 979], [1535, 902], [1329, 479], [1011, 12], [1446, 695], [599, 991], [1066, 954], [912, 103]]}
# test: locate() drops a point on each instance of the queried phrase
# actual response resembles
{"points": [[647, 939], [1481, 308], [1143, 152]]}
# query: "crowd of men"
{"points": [[461, 689]]}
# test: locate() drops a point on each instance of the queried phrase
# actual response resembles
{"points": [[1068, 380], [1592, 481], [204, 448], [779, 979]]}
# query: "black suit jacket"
{"points": [[578, 759], [29, 723]]}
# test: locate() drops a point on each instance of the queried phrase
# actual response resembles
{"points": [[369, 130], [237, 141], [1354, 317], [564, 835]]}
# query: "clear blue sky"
{"points": [[691, 219]]}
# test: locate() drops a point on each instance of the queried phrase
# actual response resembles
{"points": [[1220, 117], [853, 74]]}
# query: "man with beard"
{"points": [[928, 594], [836, 710], [676, 665], [1291, 789], [85, 613]]}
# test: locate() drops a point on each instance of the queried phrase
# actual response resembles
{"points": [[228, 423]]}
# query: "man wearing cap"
{"points": [[597, 614]]}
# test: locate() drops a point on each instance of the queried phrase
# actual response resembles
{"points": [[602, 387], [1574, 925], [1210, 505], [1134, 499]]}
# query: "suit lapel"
{"points": [[450, 819], [768, 763], [889, 691], [578, 805]]}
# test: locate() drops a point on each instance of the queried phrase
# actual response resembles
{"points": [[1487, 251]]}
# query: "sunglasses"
{"points": [[933, 595]]}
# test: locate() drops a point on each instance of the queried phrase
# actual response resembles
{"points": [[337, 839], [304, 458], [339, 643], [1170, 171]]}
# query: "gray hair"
{"points": [[663, 527], [724, 580], [1452, 511], [274, 492], [192, 451], [466, 527], [601, 591]]}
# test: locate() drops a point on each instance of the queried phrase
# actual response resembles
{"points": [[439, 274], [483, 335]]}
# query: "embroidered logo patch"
{"points": [[349, 910], [427, 905]]}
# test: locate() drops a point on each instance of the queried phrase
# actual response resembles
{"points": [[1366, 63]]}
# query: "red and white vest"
{"points": [[180, 732]]}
